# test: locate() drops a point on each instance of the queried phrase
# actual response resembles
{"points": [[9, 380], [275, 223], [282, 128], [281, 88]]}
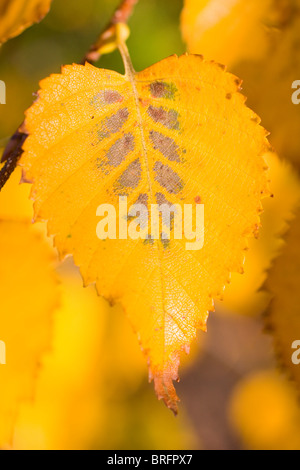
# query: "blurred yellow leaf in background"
{"points": [[29, 295], [283, 315], [258, 41], [265, 411], [244, 295], [225, 30], [14, 200], [90, 393], [17, 15]]}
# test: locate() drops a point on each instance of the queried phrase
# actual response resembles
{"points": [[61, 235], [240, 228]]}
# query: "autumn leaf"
{"points": [[28, 297], [245, 294], [230, 30], [259, 41], [283, 316], [264, 411], [178, 132], [17, 15]]}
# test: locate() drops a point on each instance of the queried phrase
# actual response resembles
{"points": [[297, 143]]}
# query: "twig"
{"points": [[121, 15], [13, 150], [11, 156]]}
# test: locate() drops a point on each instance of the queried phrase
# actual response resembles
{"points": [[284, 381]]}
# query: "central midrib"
{"points": [[131, 75]]}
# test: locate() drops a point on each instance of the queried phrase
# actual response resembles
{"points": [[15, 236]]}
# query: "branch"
{"points": [[11, 156], [106, 41], [123, 12]]}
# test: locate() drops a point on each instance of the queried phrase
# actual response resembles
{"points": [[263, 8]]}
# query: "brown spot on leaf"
{"points": [[158, 89], [167, 118], [112, 96], [238, 83], [165, 241], [148, 241], [165, 145], [105, 97], [197, 200], [144, 102], [167, 178], [110, 125], [256, 119], [163, 90], [161, 199], [120, 149], [101, 134], [228, 96], [115, 122], [131, 176], [142, 199]]}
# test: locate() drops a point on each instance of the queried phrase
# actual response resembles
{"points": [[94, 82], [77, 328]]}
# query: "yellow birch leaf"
{"points": [[177, 132], [283, 315], [28, 296], [17, 15], [259, 41]]}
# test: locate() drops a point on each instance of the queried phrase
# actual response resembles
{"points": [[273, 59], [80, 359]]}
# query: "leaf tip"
{"points": [[165, 390], [163, 382]]}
